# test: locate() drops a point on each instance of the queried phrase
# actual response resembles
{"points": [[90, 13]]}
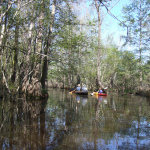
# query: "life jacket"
{"points": [[100, 91]]}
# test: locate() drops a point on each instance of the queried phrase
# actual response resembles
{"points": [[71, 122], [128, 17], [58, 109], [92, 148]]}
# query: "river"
{"points": [[73, 122]]}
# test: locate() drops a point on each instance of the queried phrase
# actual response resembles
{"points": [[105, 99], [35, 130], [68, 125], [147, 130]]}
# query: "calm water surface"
{"points": [[74, 122]]}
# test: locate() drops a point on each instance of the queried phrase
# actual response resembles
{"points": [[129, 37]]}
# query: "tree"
{"points": [[99, 48], [47, 47], [32, 76], [146, 75], [16, 43], [22, 41], [136, 18], [127, 73], [67, 44]]}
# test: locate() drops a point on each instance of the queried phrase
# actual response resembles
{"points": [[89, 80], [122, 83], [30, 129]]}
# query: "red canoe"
{"points": [[102, 94]]}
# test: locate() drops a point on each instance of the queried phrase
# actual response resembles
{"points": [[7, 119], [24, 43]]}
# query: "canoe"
{"points": [[95, 93], [102, 94], [99, 94], [81, 93]]}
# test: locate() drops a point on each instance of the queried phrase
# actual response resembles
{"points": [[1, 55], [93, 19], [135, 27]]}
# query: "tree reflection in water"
{"points": [[66, 121], [24, 127]]}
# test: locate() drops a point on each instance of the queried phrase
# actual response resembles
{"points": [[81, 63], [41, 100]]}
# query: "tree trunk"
{"points": [[32, 80], [99, 44], [3, 39], [15, 57], [35, 85], [45, 64], [140, 50], [26, 70]]}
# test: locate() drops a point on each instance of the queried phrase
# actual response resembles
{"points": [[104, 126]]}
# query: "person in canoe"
{"points": [[100, 90], [72, 89], [84, 89], [78, 88]]}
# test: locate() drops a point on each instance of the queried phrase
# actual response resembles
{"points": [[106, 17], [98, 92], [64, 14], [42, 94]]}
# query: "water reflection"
{"points": [[82, 99], [22, 124], [70, 121]]}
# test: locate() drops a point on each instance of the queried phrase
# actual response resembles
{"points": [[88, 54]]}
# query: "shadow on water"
{"points": [[70, 121]]}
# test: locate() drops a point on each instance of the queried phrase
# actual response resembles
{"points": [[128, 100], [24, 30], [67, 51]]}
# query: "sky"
{"points": [[113, 24], [110, 26]]}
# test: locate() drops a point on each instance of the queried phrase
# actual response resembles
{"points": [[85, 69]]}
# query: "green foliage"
{"points": [[72, 53], [136, 18]]}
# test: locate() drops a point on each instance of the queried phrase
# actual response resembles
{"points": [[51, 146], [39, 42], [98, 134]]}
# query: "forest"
{"points": [[49, 43]]}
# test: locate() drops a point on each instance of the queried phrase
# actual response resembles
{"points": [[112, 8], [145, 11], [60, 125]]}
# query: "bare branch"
{"points": [[19, 9]]}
